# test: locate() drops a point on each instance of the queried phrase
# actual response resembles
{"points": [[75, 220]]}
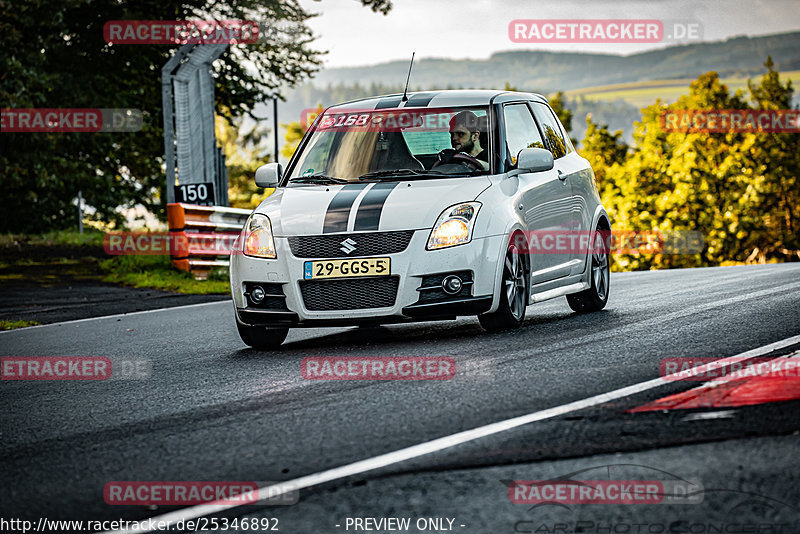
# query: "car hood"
{"points": [[371, 206]]}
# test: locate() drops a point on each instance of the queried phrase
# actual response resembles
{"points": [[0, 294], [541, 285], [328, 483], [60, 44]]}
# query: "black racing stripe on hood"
{"points": [[420, 100], [339, 208], [369, 212]]}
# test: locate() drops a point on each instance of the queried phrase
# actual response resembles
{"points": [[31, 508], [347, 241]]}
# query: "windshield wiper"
{"points": [[399, 172], [318, 179], [414, 174]]}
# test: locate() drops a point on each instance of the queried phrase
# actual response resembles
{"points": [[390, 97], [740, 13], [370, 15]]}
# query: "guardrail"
{"points": [[209, 232]]}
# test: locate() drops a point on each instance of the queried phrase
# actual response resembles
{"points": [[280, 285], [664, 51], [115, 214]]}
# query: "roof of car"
{"points": [[436, 99]]}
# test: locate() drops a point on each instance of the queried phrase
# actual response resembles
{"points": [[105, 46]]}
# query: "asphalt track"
{"points": [[214, 410]]}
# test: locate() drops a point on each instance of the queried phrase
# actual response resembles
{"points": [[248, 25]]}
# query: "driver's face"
{"points": [[461, 139]]}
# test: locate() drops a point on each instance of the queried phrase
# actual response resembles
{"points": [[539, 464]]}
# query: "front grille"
{"points": [[366, 244], [437, 294], [351, 294]]}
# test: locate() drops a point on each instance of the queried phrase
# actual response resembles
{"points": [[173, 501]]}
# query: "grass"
{"points": [[11, 325], [34, 259], [645, 93], [49, 271], [157, 272], [89, 237]]}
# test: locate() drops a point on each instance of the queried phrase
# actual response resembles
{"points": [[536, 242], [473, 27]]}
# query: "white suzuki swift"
{"points": [[422, 207]]}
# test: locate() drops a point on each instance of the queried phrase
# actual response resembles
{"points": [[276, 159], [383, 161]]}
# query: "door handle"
{"points": [[561, 175]]}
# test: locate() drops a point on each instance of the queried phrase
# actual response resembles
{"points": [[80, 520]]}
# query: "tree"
{"points": [[245, 148], [54, 56], [559, 104], [295, 131], [602, 148], [772, 198], [677, 181], [738, 189]]}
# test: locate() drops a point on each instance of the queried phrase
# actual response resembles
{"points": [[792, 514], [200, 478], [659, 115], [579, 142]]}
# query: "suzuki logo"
{"points": [[348, 246]]}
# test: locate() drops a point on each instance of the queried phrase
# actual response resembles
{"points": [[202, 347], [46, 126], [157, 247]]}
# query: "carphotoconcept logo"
{"points": [[378, 368], [556, 504], [604, 30], [77, 120]]}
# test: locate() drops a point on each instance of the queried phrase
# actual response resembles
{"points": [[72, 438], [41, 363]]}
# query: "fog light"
{"points": [[257, 294], [452, 284]]}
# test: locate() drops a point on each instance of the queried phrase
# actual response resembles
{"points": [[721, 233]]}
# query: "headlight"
{"points": [[454, 226], [258, 240]]}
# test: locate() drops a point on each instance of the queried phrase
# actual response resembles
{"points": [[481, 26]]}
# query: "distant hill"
{"points": [[563, 71], [611, 87], [644, 93]]}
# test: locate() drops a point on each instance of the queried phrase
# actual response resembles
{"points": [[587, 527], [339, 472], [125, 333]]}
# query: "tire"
{"points": [[261, 337], [596, 297], [513, 294]]}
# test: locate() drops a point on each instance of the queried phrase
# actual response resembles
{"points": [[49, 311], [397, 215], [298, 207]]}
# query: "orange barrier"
{"points": [[209, 231]]}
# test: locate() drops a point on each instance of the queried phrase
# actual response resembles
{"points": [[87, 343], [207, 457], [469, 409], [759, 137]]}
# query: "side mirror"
{"points": [[269, 175], [534, 160]]}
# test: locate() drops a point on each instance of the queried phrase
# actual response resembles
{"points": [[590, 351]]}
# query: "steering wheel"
{"points": [[450, 156]]}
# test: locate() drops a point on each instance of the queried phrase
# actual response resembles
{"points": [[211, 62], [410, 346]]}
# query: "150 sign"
{"points": [[201, 194]]}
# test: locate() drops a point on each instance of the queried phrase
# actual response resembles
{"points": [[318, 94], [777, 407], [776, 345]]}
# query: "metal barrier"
{"points": [[208, 231], [187, 97]]}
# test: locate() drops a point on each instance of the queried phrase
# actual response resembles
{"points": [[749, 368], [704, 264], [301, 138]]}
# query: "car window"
{"points": [[521, 130], [551, 129], [351, 144], [316, 153], [565, 135], [422, 139]]}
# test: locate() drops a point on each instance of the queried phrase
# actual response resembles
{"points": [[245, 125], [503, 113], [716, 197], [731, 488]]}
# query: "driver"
{"points": [[465, 134]]}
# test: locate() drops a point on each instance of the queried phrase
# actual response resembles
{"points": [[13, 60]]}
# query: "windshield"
{"points": [[415, 143]]}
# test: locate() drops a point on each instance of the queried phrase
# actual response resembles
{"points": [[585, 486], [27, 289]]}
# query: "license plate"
{"points": [[347, 268]]}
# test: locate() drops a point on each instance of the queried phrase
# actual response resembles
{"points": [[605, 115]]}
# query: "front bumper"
{"points": [[410, 267]]}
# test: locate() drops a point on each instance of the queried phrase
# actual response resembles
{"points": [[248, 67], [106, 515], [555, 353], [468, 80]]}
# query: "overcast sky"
{"points": [[474, 29]]}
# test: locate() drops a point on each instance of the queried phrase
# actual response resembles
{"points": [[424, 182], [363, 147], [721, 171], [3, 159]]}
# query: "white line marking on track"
{"points": [[705, 416], [657, 322], [439, 444], [63, 323]]}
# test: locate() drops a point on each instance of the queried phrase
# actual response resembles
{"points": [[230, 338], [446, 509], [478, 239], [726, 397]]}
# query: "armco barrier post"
{"points": [[176, 218], [202, 236]]}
